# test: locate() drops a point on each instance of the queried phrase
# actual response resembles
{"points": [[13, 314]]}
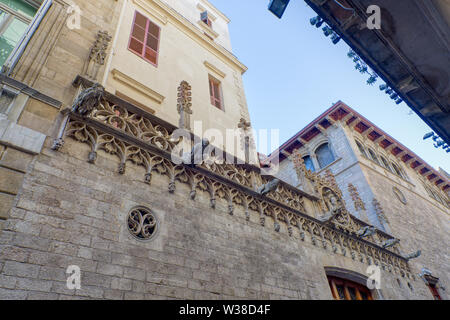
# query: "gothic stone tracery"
{"points": [[112, 128]]}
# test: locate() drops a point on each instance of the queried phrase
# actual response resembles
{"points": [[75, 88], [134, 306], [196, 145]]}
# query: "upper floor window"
{"points": [[373, 156], [144, 39], [309, 163], [324, 155], [205, 18], [397, 170], [215, 92], [15, 16], [361, 149], [385, 163], [348, 290]]}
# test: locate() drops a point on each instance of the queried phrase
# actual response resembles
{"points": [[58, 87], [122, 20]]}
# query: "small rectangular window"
{"points": [[205, 18], [144, 39], [215, 92]]}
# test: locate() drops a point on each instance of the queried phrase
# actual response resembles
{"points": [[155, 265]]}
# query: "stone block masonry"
{"points": [[71, 212]]}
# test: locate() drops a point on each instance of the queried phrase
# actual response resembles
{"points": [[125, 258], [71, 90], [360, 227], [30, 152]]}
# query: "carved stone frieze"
{"points": [[139, 140]]}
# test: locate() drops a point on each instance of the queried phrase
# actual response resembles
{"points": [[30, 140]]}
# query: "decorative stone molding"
{"points": [[357, 201], [400, 196], [247, 142], [141, 139], [214, 69], [184, 104], [131, 83], [97, 54], [379, 211], [142, 223]]}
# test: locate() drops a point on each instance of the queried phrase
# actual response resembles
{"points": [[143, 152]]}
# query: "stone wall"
{"points": [[421, 224], [71, 212]]}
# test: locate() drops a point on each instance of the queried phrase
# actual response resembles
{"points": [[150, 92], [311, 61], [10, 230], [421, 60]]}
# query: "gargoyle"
{"points": [[268, 187], [366, 232], [325, 217], [196, 155], [390, 243], [413, 255], [88, 99]]}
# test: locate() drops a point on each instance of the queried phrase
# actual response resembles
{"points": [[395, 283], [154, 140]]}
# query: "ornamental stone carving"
{"points": [[357, 201], [142, 223], [184, 104], [97, 54], [138, 139], [379, 211], [88, 99]]}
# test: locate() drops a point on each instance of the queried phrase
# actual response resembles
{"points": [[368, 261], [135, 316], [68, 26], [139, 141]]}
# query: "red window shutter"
{"points": [[204, 15], [144, 39], [215, 93], [205, 18], [211, 90]]}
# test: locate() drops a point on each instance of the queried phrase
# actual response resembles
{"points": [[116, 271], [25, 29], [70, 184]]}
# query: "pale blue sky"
{"points": [[296, 73]]}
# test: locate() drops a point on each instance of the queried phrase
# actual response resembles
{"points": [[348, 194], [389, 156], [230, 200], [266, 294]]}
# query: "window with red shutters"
{"points": [[205, 18], [215, 92], [144, 39]]}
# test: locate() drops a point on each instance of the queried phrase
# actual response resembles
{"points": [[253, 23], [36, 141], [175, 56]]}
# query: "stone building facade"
{"points": [[89, 109], [383, 183]]}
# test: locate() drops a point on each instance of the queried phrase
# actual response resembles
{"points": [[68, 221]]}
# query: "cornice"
{"points": [[150, 93], [214, 69]]}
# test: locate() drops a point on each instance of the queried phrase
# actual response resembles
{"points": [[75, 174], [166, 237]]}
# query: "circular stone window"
{"points": [[400, 196], [142, 223]]}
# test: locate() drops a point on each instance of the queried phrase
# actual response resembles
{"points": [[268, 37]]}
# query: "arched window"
{"points": [[361, 149], [343, 289], [309, 163], [436, 196], [385, 163], [427, 190], [397, 170], [324, 155], [373, 156]]}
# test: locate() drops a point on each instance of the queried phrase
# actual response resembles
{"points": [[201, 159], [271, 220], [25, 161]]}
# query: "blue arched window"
{"points": [[309, 163], [324, 155]]}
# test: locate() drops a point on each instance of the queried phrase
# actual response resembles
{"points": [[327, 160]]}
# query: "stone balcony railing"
{"points": [[139, 138]]}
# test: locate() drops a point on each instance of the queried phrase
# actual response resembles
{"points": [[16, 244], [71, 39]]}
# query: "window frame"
{"points": [[361, 149], [312, 163], [373, 156], [208, 21], [397, 170], [334, 282], [385, 163], [318, 158], [211, 81], [19, 48], [144, 43]]}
